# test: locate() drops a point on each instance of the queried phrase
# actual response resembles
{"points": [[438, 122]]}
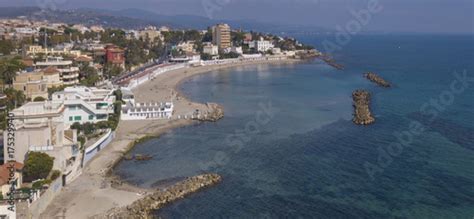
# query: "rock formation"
{"points": [[362, 115], [143, 208], [213, 113], [376, 79]]}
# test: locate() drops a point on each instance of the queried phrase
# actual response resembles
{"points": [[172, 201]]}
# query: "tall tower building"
{"points": [[221, 36]]}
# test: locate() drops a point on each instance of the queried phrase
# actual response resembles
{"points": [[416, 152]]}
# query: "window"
{"points": [[101, 116], [91, 117], [70, 118], [77, 118]]}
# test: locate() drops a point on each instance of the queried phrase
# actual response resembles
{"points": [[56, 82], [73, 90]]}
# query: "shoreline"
{"points": [[96, 189]]}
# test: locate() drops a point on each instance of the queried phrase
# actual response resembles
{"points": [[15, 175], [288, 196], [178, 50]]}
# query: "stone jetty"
{"points": [[362, 115], [376, 79], [331, 62], [213, 113], [143, 208]]}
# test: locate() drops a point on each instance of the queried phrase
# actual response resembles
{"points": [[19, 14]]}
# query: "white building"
{"points": [[211, 49], [143, 111], [39, 126], [261, 45], [83, 104]]}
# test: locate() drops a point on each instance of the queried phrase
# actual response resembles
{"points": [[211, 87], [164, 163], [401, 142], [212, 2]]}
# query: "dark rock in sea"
{"points": [[362, 114], [142, 157], [377, 79]]}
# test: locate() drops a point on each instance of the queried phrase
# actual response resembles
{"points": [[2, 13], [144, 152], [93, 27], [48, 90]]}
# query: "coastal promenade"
{"points": [[92, 193]]}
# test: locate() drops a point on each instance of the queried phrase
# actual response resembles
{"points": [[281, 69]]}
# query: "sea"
{"points": [[287, 146]]}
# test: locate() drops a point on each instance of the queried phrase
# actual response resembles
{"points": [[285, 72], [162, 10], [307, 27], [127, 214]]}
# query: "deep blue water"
{"points": [[287, 147]]}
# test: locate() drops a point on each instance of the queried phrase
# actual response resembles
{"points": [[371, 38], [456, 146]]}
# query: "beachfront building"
{"points": [[221, 36], [142, 111], [39, 126], [84, 104], [68, 73], [210, 49], [261, 45]]}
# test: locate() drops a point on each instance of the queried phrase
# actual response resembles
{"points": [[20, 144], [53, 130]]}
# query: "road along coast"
{"points": [[93, 190]]}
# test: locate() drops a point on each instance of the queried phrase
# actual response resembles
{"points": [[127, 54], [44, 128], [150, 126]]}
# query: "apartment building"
{"points": [[68, 73], [221, 36], [84, 104], [39, 126], [35, 84]]}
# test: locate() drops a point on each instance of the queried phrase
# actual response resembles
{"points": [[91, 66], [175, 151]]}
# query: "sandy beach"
{"points": [[92, 193]]}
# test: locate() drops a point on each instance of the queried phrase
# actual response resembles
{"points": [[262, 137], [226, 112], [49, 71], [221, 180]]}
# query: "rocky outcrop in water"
{"points": [[144, 208], [362, 114], [213, 113], [376, 79]]}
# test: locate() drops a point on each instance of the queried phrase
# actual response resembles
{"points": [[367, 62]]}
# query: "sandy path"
{"points": [[92, 193]]}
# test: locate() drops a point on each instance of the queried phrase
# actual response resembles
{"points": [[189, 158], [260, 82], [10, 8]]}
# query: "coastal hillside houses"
{"points": [[69, 74], [39, 126], [84, 104]]}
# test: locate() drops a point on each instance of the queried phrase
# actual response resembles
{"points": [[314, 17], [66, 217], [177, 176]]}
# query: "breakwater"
{"points": [[377, 79], [330, 61], [143, 208], [362, 114]]}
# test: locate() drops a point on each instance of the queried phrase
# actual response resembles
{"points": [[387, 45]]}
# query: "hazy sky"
{"points": [[447, 16]]}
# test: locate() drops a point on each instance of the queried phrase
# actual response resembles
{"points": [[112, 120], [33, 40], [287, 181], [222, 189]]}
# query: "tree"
{"points": [[39, 99], [89, 75], [37, 166], [9, 68], [6, 47]]}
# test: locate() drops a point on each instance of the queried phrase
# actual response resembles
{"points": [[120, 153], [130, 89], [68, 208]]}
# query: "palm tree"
{"points": [[9, 68]]}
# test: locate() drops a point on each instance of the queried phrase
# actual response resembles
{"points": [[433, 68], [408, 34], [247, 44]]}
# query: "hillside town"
{"points": [[65, 88]]}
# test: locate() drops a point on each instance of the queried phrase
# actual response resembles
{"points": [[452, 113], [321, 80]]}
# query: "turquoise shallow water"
{"points": [[287, 147]]}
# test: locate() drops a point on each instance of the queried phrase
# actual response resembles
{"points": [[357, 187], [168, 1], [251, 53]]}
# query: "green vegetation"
{"points": [[55, 174], [88, 76], [6, 47], [55, 89], [39, 99], [40, 183], [37, 166], [9, 68]]}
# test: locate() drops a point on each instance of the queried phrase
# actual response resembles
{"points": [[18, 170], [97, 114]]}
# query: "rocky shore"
{"points": [[376, 79], [213, 113], [362, 114], [143, 208]]}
